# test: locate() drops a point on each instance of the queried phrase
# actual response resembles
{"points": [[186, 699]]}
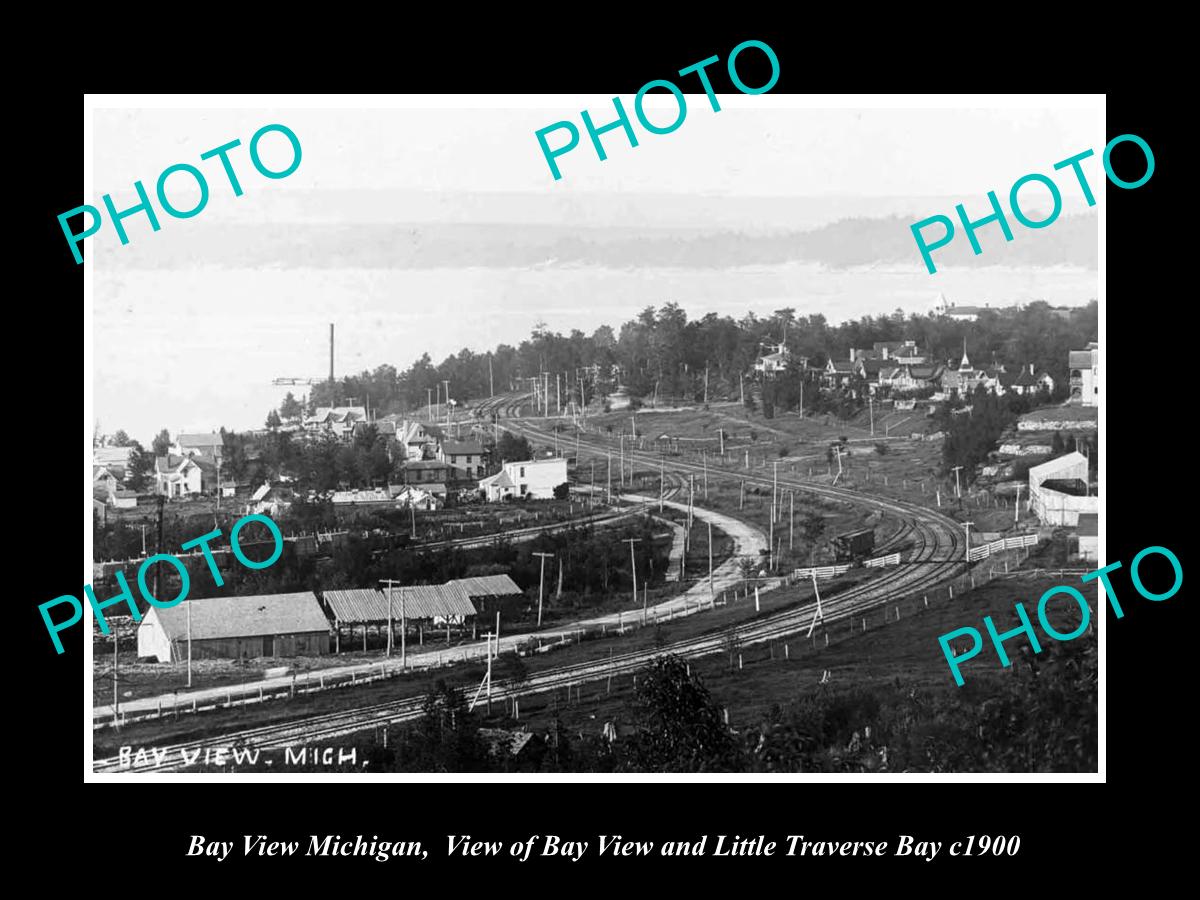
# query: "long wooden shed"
{"points": [[236, 628]]}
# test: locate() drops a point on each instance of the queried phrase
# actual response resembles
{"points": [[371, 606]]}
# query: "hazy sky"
{"points": [[746, 149], [196, 345]]}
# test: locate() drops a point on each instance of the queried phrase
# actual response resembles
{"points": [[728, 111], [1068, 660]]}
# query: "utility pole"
{"points": [[633, 569], [706, 384], [957, 485], [791, 517], [557, 393], [621, 471], [218, 482], [412, 514], [704, 459], [609, 486], [189, 639], [819, 614], [662, 463], [541, 583], [742, 388], [389, 640], [116, 694], [1017, 505], [491, 382], [774, 490], [691, 500], [710, 562], [158, 548], [871, 413], [721, 432], [403, 622]]}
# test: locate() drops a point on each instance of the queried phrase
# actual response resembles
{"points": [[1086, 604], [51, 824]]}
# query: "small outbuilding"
{"points": [[236, 628]]}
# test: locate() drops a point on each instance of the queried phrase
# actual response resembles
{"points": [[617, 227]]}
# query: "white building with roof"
{"points": [[530, 479], [1058, 490], [1084, 381]]}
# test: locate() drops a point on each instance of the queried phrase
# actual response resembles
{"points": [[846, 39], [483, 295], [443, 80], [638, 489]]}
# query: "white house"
{"points": [[177, 476], [1085, 375], [534, 479]]}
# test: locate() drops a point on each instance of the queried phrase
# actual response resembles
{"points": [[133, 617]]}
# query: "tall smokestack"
{"points": [[331, 352]]}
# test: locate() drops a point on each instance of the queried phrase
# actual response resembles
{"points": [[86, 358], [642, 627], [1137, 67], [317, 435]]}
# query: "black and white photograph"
{"points": [[526, 436]]}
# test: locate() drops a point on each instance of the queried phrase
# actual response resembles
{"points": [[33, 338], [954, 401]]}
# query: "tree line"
{"points": [[663, 351]]}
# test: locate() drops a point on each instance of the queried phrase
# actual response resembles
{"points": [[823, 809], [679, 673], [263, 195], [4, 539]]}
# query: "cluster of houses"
{"points": [[430, 464], [901, 368], [301, 624]]}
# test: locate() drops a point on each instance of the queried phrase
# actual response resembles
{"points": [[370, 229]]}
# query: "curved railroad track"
{"points": [[937, 553]]}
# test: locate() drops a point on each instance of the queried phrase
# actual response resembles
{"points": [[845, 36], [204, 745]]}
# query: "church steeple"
{"points": [[966, 363]]}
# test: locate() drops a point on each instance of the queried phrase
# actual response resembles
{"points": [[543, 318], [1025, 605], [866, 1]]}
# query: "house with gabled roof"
{"points": [[465, 459], [177, 476], [339, 421]]}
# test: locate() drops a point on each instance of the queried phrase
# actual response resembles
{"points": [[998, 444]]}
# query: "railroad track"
{"points": [[935, 543]]}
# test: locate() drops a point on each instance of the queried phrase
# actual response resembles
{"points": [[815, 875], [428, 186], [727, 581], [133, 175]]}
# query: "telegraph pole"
{"points": [[957, 486], [541, 583], [710, 561], [491, 382], [774, 489], [1017, 505], [189, 634], [609, 484], [403, 622], [428, 403], [389, 640], [662, 462], [704, 459], [116, 694], [871, 413], [791, 517], [621, 471], [633, 568]]}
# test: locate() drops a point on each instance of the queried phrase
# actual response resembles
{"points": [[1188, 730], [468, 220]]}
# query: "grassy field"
{"points": [[896, 651]]}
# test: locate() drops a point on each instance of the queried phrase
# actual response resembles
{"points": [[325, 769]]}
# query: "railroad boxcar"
{"points": [[854, 546]]}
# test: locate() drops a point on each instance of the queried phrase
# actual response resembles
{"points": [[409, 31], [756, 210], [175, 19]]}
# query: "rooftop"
{"points": [[257, 615], [200, 440]]}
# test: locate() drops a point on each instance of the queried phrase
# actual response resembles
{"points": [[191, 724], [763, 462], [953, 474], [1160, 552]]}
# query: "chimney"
{"points": [[1031, 368]]}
